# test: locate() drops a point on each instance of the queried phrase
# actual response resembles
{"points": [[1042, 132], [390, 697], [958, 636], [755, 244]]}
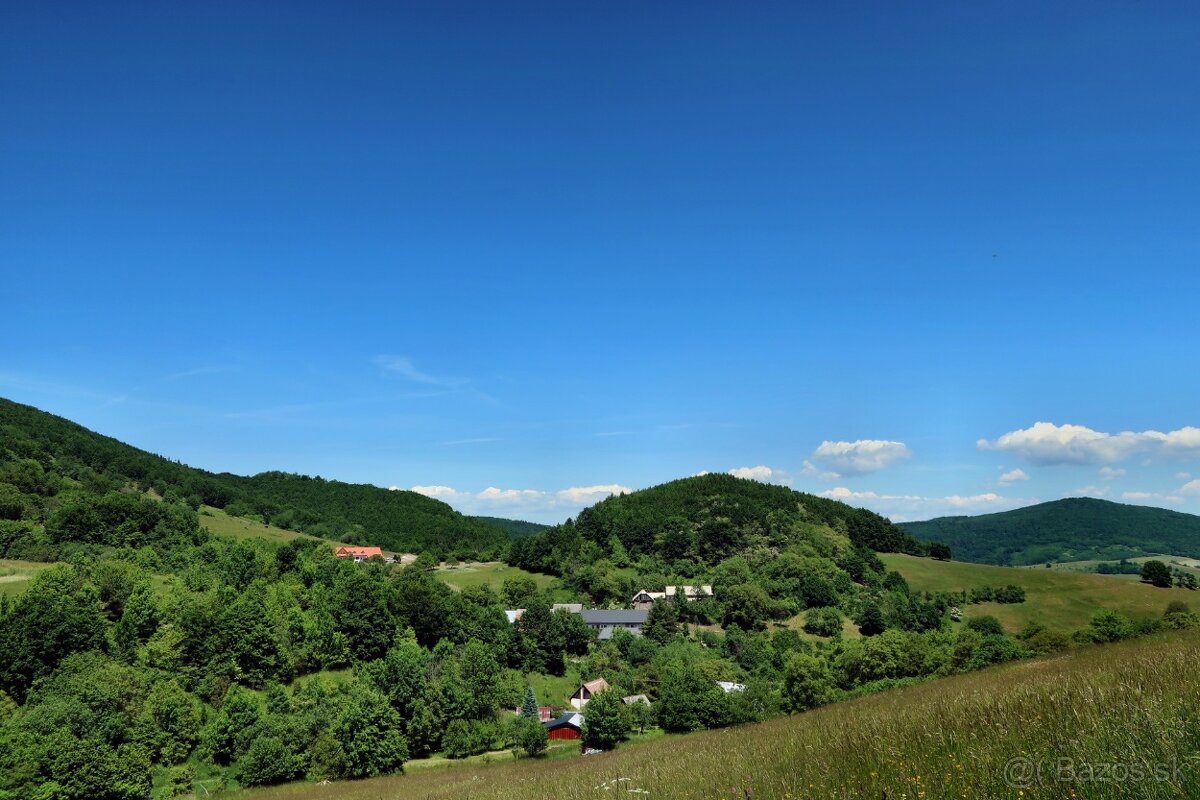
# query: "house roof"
{"points": [[598, 685], [619, 616], [574, 608], [353, 550], [572, 719], [690, 591], [513, 614], [545, 713]]}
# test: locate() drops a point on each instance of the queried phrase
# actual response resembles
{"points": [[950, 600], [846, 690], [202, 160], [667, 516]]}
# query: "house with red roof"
{"points": [[359, 554]]}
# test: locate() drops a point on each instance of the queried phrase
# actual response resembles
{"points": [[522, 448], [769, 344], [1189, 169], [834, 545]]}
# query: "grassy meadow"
{"points": [[1133, 706], [1063, 601], [489, 573], [1183, 563], [218, 523], [15, 575]]}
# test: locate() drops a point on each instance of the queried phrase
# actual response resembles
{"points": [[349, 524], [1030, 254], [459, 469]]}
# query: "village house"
{"points": [[574, 608], [585, 691], [514, 614], [359, 554], [644, 599], [634, 699], [606, 622], [568, 726], [545, 713]]}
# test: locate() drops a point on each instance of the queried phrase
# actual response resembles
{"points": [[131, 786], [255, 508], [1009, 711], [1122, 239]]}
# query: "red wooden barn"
{"points": [[568, 726]]}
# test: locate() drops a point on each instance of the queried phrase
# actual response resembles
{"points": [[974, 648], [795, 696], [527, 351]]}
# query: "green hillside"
{"points": [[1073, 529], [167, 656], [701, 521], [42, 455], [1131, 704], [516, 528], [1060, 601]]}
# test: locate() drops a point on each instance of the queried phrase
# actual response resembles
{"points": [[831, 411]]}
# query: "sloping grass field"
{"points": [[1063, 601], [488, 573], [1114, 721], [15, 575], [1183, 563], [219, 523]]}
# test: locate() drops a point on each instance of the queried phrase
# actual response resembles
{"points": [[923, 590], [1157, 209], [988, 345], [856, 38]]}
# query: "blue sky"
{"points": [[523, 254]]}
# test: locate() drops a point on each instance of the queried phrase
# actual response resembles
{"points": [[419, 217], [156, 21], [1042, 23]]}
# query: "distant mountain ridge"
{"points": [[516, 528], [1072, 529], [75, 457]]}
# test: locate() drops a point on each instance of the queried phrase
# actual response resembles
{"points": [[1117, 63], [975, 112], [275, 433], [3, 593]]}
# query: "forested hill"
{"points": [[41, 454], [1072, 529], [516, 528], [705, 519]]}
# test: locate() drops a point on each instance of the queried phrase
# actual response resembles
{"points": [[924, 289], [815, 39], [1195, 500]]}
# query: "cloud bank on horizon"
{"points": [[534, 503], [1047, 444], [1060, 451]]}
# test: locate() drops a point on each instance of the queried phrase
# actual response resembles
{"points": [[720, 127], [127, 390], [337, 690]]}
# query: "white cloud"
{"points": [[762, 474], [843, 493], [813, 470], [404, 367], [1012, 476], [1185, 441], [1191, 488], [1183, 476], [430, 491], [1046, 443], [1153, 497], [591, 494], [1087, 491], [492, 494], [860, 457], [1111, 474], [901, 508], [531, 504], [759, 473]]}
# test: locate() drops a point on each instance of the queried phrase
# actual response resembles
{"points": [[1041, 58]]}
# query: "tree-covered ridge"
{"points": [[748, 507], [41, 454], [704, 519], [1072, 529], [516, 528]]}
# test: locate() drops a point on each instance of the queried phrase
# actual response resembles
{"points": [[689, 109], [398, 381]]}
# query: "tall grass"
{"points": [[1133, 705]]}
